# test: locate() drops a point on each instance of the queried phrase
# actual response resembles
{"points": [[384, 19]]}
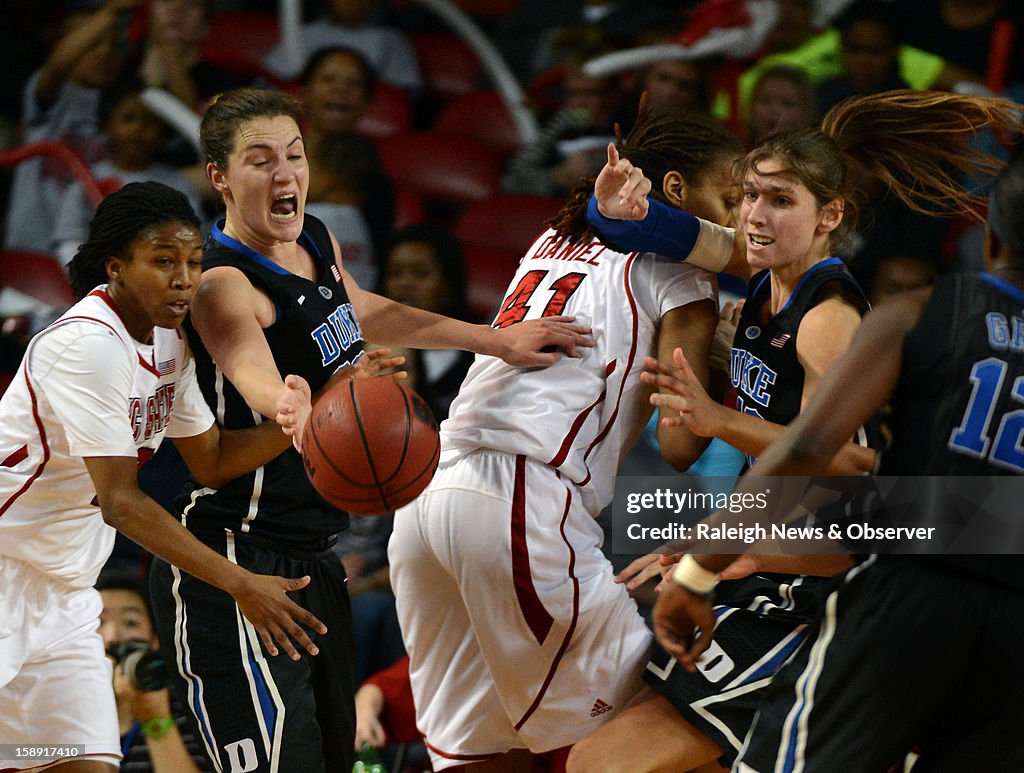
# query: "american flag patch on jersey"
{"points": [[780, 340], [166, 367], [337, 274]]}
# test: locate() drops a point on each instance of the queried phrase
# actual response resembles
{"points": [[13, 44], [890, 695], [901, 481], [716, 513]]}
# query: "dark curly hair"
{"points": [[118, 221]]}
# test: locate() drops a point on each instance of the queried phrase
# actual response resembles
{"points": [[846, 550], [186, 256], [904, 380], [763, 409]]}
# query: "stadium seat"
{"points": [[488, 274], [390, 112], [449, 66], [482, 116], [505, 223], [409, 209], [35, 274], [447, 169], [67, 158], [487, 9], [237, 41]]}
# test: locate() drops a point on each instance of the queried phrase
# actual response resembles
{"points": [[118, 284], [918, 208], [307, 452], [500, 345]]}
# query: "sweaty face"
{"points": [[717, 196], [780, 219], [265, 183], [415, 277], [155, 286]]}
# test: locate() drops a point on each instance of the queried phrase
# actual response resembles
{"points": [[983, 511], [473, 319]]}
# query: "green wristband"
{"points": [[157, 727]]}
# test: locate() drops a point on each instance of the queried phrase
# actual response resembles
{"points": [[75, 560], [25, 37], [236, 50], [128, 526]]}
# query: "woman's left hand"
{"points": [[539, 342]]}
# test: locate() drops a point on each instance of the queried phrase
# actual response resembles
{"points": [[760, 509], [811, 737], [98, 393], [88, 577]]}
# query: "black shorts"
{"points": [[254, 712], [762, 623], [909, 653]]}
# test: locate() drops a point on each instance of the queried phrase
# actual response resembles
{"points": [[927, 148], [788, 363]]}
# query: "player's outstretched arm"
{"points": [[263, 599]]}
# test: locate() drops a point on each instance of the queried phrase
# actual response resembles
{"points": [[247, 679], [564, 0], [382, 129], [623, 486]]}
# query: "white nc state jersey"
{"points": [[577, 415], [85, 388]]}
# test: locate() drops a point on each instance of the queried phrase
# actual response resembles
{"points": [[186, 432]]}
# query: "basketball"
{"points": [[371, 445]]}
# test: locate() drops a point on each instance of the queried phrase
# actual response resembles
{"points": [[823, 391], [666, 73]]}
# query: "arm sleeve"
{"points": [[666, 231]]}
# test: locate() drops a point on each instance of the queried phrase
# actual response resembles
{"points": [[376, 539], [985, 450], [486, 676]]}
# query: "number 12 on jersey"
{"points": [[972, 436], [516, 305]]}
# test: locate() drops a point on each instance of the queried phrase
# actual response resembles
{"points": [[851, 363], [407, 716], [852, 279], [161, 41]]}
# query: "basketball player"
{"points": [[519, 639], [93, 397], [801, 310], [275, 298], [911, 649]]}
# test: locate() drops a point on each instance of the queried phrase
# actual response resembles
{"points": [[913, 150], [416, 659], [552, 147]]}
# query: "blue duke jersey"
{"points": [[315, 332], [957, 409], [765, 370], [577, 415]]}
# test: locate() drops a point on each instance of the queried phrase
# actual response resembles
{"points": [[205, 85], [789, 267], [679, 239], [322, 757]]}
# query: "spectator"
{"points": [[338, 85], [424, 267], [961, 31], [351, 23], [169, 55], [901, 272], [349, 173], [783, 98], [61, 102], [155, 733], [572, 143], [869, 49], [132, 137]]}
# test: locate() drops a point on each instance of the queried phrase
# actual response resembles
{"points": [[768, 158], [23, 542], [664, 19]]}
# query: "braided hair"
{"points": [[660, 142], [118, 221]]}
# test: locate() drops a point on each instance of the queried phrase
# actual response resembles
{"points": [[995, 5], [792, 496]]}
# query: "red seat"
{"points": [[487, 276], [487, 8], [64, 156], [409, 209], [446, 169], [36, 274], [482, 116], [237, 41], [505, 223], [449, 66], [390, 112]]}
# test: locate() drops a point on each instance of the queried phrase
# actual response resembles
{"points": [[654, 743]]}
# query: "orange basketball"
{"points": [[371, 445]]}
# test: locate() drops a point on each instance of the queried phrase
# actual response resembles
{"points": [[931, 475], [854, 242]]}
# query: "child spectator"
{"points": [[133, 136], [61, 102]]}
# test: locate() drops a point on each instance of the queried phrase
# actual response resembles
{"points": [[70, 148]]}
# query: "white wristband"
{"points": [[694, 577]]}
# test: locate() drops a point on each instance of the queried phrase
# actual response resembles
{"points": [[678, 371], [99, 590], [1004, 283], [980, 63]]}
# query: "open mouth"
{"points": [[285, 208], [760, 241]]}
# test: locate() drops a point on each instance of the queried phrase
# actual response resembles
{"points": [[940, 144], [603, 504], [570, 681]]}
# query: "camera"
{"points": [[142, 665]]}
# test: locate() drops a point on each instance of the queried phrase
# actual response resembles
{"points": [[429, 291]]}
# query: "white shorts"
{"points": [[56, 682], [517, 634]]}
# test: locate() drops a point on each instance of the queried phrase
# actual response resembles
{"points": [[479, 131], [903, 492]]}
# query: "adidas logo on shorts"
{"points": [[599, 708]]}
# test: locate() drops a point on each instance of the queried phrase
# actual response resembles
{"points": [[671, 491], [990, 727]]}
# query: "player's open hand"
{"points": [[380, 362], [539, 342], [683, 400], [278, 620], [621, 189], [684, 624], [294, 404], [640, 570]]}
